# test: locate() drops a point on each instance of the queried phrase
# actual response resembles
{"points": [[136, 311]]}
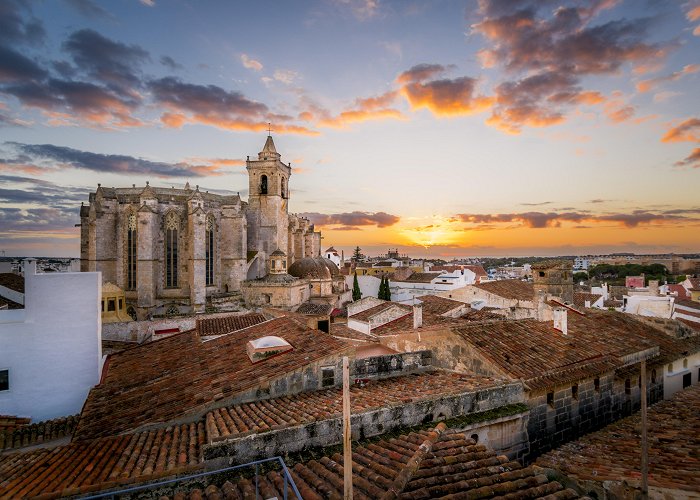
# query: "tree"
{"points": [[380, 294], [357, 254], [356, 293], [580, 276], [387, 290]]}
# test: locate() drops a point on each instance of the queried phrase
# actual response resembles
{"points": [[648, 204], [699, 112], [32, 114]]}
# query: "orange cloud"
{"points": [[447, 97], [354, 116], [647, 85], [687, 131], [692, 160]]}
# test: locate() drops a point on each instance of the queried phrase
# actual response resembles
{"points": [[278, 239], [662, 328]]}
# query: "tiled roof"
{"points": [[613, 453], [612, 303], [18, 432], [478, 270], [679, 291], [182, 375], [509, 289], [368, 313], [315, 309], [483, 314], [692, 304], [543, 357], [437, 463], [101, 463], [694, 283], [580, 299], [219, 325], [12, 281], [420, 278], [272, 414], [341, 330], [432, 304]]}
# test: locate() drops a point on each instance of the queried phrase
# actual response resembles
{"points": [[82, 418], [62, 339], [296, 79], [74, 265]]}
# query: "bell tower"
{"points": [[268, 215]]}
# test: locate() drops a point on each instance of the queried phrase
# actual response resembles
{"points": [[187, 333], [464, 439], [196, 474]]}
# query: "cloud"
{"points": [[693, 15], [113, 63], [363, 10], [421, 72], [148, 3], [213, 105], [538, 220], [251, 63], [49, 156], [537, 204], [552, 51], [363, 109], [692, 160], [352, 220], [687, 131], [14, 28], [647, 85], [89, 9], [446, 97], [14, 67], [170, 63]]}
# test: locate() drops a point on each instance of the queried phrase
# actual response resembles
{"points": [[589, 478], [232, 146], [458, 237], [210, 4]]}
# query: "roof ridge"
{"points": [[414, 463]]}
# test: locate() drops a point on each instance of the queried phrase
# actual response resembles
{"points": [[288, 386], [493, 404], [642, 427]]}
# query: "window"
{"points": [[628, 386], [596, 384], [171, 230], [475, 437], [121, 304], [210, 251], [263, 184], [541, 274], [282, 187], [4, 380], [574, 391], [131, 312], [131, 253], [687, 380], [550, 399], [103, 306], [110, 305], [327, 376], [653, 376]]}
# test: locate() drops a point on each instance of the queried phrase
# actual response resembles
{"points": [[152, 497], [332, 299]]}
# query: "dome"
{"points": [[311, 267], [332, 268]]}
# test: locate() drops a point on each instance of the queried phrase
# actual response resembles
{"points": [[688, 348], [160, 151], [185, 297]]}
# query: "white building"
{"points": [[581, 264], [50, 351], [429, 284], [332, 255]]}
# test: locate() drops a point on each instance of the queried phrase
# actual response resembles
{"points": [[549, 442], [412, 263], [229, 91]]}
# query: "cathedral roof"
{"points": [[314, 268]]}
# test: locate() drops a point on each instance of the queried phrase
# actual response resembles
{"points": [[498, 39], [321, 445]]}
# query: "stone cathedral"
{"points": [[174, 251]]}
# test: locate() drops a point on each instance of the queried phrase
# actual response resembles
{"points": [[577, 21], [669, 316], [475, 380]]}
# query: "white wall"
{"points": [[369, 285], [11, 294], [52, 347], [673, 380]]}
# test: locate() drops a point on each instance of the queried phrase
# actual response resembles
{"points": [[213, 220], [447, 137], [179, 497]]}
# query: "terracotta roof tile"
{"points": [[220, 325], [509, 289], [432, 304], [315, 309], [421, 277], [368, 313], [580, 299], [543, 357], [180, 375], [262, 416], [674, 450]]}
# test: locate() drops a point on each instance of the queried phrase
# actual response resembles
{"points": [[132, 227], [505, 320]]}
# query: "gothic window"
{"points": [[171, 232], [210, 251], [263, 184], [131, 252], [172, 310]]}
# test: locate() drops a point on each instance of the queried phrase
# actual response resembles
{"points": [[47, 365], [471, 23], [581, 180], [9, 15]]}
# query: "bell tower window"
{"points": [[131, 252], [171, 229], [210, 251], [263, 184]]}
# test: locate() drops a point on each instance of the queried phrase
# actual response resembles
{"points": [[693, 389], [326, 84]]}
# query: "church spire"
{"points": [[269, 152]]}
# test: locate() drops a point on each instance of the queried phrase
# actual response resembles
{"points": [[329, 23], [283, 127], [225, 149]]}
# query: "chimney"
{"points": [[560, 320], [417, 315], [654, 287], [540, 305]]}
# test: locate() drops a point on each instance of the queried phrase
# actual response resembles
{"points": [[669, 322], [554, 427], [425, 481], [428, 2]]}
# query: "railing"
{"points": [[290, 490]]}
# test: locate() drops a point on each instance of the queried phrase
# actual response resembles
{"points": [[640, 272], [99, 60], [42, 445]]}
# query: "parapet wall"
{"points": [[371, 423]]}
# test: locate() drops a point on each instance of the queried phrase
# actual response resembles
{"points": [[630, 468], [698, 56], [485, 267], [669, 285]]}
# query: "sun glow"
{"points": [[441, 231]]}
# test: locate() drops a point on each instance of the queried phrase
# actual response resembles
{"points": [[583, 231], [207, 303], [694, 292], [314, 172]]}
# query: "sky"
{"points": [[441, 128]]}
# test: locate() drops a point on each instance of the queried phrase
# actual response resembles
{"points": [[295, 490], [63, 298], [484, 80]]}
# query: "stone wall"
{"points": [[364, 425], [391, 365], [567, 417]]}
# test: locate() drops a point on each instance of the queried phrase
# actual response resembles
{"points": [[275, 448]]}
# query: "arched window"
{"points": [[172, 224], [210, 251], [263, 184], [131, 252], [282, 190]]}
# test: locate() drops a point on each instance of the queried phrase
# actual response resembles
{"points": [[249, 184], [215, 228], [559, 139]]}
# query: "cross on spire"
{"points": [[269, 129]]}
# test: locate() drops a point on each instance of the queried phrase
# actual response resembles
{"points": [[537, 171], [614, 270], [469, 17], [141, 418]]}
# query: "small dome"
{"points": [[332, 268], [311, 267]]}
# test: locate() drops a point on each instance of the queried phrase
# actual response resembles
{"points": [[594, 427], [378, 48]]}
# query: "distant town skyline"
{"points": [[441, 128]]}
